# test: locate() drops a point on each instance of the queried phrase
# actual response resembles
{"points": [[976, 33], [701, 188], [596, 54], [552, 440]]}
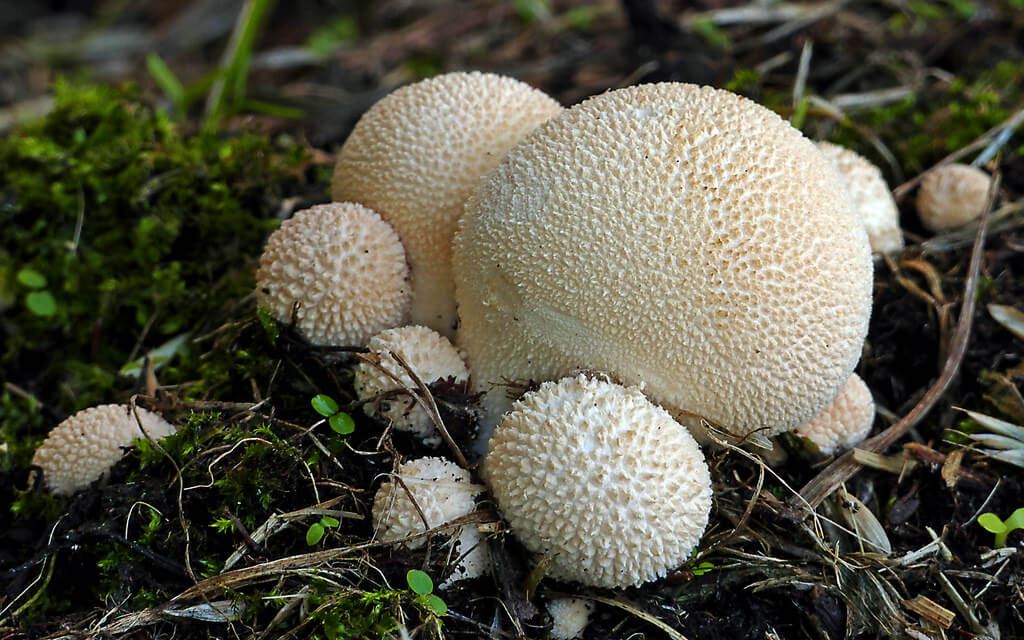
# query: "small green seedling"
{"points": [[423, 587], [316, 531], [39, 301], [991, 523], [703, 568], [340, 421]]}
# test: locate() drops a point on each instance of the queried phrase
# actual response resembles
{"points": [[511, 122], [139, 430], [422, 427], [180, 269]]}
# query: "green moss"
{"points": [[138, 230]]}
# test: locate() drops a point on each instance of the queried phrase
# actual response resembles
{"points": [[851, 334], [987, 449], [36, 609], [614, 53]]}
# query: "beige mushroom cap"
{"points": [[951, 196], [444, 491], [416, 156], [84, 447], [676, 235], [843, 423], [600, 480], [430, 355], [871, 199], [343, 265]]}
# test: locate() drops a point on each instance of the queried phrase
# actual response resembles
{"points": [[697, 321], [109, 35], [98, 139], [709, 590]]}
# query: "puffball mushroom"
{"points": [[951, 196], [416, 155], [845, 422], [430, 355], [677, 235], [601, 481], [343, 267], [569, 616], [83, 448], [443, 491], [870, 196]]}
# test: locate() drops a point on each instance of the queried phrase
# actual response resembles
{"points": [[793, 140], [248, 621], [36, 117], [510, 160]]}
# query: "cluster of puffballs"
{"points": [[699, 253]]}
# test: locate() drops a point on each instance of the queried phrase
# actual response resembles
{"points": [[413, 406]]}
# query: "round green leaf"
{"points": [[342, 423], [419, 581], [328, 521], [314, 534], [990, 522], [31, 278], [435, 604], [41, 303], [324, 405]]}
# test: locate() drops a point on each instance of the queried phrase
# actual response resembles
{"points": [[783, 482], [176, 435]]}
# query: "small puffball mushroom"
{"points": [[676, 235], [443, 491], [845, 422], [599, 480], [951, 196], [870, 196], [84, 447], [569, 616], [430, 355], [416, 156], [345, 269]]}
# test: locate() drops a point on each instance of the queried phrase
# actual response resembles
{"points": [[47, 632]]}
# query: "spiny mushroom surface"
{"points": [[676, 235], [870, 196], [345, 269], [600, 480], [845, 421], [416, 155], [569, 617], [951, 196], [443, 491], [84, 447], [430, 355]]}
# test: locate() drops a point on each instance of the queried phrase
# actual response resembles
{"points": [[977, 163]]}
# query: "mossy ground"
{"points": [[140, 229]]}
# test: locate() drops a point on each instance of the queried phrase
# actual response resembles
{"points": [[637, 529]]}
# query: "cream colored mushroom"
{"points": [[845, 422], [870, 196], [341, 268], [430, 355], [952, 195], [569, 617], [83, 448], [415, 157], [443, 491], [669, 234], [601, 482]]}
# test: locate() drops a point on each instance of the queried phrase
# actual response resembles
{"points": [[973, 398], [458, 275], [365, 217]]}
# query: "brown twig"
{"points": [[844, 467]]}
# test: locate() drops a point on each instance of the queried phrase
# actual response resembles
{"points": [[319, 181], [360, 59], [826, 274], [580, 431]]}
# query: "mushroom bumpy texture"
{"points": [[870, 196], [670, 234], [416, 156], [600, 480], [84, 447], [569, 617], [951, 196], [443, 491], [845, 422], [341, 268], [431, 357]]}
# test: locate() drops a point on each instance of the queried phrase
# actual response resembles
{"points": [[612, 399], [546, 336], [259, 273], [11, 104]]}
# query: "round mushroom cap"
{"points": [[416, 156], [845, 422], [569, 616], [870, 196], [343, 270], [670, 234], [83, 448], [599, 480], [951, 196], [443, 491], [430, 355]]}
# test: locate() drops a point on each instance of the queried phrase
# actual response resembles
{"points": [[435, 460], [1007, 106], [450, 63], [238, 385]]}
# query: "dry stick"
{"points": [[845, 466]]}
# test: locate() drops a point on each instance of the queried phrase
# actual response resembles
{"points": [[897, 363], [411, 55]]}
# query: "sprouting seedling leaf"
{"points": [[435, 604], [324, 405], [419, 582], [315, 533], [31, 278], [41, 303], [342, 423], [993, 524]]}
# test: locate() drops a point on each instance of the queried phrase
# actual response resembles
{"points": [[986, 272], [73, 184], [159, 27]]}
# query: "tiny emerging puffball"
{"points": [[845, 422], [951, 196], [870, 197], [443, 491], [431, 357], [84, 447], [599, 481], [569, 616], [342, 270]]}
